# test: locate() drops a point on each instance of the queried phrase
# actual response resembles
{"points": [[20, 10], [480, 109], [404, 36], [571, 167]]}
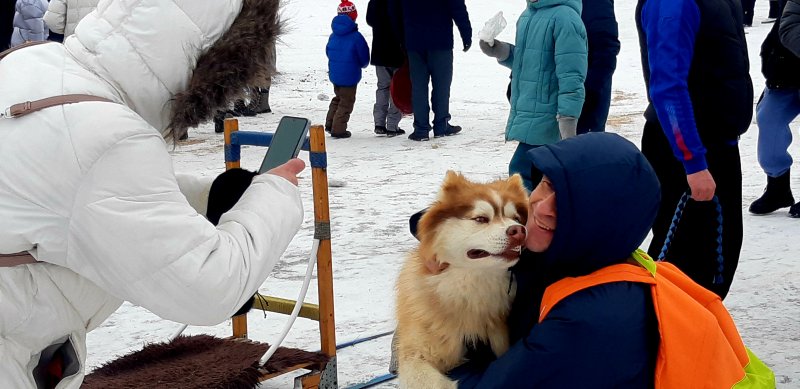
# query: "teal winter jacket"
{"points": [[548, 67]]}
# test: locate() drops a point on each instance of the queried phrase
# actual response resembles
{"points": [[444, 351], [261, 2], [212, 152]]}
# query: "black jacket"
{"points": [[603, 35], [6, 22], [778, 64], [790, 26], [386, 38]]}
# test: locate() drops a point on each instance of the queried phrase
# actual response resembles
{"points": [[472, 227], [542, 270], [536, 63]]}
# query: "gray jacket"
{"points": [[790, 26]]}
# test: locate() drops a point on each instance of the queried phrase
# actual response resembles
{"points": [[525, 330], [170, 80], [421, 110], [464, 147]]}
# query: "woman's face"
{"points": [[541, 217]]}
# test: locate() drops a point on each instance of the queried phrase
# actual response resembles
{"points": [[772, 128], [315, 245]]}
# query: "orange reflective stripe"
{"points": [[700, 346]]}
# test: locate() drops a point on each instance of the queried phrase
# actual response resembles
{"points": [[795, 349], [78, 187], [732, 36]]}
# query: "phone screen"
{"points": [[286, 143]]}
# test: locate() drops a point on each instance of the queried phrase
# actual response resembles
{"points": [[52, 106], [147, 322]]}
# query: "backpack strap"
{"points": [[11, 260], [27, 107], [615, 273], [4, 53]]}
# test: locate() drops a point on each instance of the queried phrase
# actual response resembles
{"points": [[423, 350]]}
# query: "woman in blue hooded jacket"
{"points": [[593, 209], [549, 63]]}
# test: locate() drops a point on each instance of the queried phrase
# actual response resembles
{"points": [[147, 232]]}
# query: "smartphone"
{"points": [[286, 143]]}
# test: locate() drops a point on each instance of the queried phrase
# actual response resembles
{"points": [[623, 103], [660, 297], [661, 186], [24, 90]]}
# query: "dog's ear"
{"points": [[515, 180], [452, 180]]}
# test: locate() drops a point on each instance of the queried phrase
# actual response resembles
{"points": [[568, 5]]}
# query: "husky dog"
{"points": [[455, 289]]}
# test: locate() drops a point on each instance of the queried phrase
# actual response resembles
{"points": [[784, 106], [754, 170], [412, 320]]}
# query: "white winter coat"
{"points": [[63, 15], [89, 188]]}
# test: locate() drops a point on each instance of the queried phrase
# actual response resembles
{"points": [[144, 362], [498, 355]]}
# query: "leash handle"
{"points": [[676, 219]]}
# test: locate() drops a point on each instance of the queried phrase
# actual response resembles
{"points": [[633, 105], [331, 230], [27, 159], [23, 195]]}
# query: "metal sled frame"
{"points": [[321, 376]]}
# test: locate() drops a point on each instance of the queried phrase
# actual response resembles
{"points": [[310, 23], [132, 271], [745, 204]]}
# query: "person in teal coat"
{"points": [[548, 65]]}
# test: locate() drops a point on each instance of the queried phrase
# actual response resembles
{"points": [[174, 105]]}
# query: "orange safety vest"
{"points": [[700, 346]]}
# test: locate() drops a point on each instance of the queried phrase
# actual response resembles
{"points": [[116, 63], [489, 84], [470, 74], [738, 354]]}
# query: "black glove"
{"points": [[225, 191], [467, 45]]}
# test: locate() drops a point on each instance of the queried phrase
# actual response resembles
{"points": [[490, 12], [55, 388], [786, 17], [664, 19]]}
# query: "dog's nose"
{"points": [[516, 233]]}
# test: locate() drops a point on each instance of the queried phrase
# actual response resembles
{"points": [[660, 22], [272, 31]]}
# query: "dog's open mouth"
{"points": [[510, 254]]}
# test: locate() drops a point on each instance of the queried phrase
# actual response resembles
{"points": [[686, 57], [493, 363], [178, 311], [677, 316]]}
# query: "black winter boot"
{"points": [[260, 100], [777, 195], [219, 121], [240, 108]]}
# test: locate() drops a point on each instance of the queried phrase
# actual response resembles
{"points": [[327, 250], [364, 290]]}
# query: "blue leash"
{"points": [[674, 225]]}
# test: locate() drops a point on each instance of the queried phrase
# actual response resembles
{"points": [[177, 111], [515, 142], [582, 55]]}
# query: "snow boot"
{"points": [[219, 121], [240, 108], [777, 195], [391, 134], [260, 100], [794, 211]]}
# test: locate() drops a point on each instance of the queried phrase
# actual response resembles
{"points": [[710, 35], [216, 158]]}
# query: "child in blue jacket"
{"points": [[348, 53]]}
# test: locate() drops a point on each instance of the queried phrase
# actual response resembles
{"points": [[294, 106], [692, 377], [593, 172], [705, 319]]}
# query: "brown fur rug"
{"points": [[199, 361]]}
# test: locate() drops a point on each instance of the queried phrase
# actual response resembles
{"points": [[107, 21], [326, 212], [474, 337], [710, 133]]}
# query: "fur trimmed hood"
{"points": [[243, 57], [175, 62]]}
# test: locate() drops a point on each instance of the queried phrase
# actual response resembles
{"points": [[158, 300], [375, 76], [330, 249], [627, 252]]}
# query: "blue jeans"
{"points": [[435, 66], [777, 108], [522, 165]]}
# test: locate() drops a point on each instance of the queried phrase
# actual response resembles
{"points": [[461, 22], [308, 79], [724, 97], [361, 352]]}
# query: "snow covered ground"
{"points": [[386, 180]]}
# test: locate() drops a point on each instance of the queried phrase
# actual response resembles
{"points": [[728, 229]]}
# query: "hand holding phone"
{"points": [[286, 143], [289, 170]]}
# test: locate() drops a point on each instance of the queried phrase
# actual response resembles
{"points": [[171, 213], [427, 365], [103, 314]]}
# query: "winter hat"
{"points": [[347, 8]]}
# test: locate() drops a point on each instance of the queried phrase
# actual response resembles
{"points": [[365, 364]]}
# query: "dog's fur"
{"points": [[455, 289]]}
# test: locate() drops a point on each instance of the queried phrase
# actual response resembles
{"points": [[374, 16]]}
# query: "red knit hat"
{"points": [[347, 8]]}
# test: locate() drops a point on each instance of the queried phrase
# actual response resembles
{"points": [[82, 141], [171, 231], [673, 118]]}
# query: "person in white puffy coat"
{"points": [[89, 189], [63, 15]]}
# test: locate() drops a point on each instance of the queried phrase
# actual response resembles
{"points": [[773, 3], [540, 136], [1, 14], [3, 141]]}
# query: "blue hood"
{"points": [[607, 196], [343, 25]]}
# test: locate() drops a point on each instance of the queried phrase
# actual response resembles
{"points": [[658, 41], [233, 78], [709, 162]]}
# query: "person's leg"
{"points": [[594, 113], [420, 76], [521, 164], [726, 168], [394, 115], [672, 177], [347, 95], [775, 111], [382, 98], [774, 11], [748, 6], [693, 247], [334, 105], [441, 65]]}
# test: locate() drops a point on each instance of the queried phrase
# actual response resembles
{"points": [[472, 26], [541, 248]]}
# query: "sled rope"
{"points": [[676, 219]]}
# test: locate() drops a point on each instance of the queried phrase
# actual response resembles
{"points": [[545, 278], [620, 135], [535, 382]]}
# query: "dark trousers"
{"points": [[597, 103], [694, 245], [340, 108], [436, 67], [748, 6], [774, 9]]}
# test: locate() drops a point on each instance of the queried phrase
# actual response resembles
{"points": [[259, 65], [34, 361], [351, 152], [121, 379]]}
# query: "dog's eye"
{"points": [[518, 219], [481, 219]]}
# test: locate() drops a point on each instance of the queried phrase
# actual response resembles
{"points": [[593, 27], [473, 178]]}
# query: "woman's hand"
{"points": [[289, 170]]}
